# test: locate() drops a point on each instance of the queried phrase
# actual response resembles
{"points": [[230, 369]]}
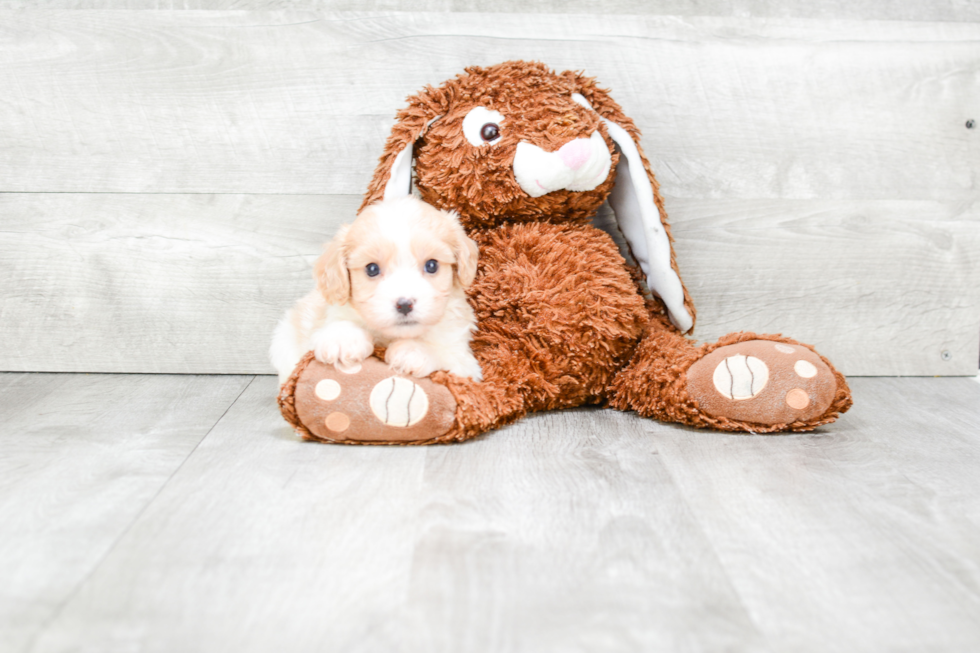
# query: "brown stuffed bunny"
{"points": [[527, 157]]}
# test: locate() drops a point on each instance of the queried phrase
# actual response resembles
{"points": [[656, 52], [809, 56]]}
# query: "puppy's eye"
{"points": [[372, 269], [432, 266], [482, 126]]}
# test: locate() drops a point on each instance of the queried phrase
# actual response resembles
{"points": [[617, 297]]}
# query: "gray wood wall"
{"points": [[167, 177]]}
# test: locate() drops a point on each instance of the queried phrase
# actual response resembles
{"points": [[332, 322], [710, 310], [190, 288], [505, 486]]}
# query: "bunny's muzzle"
{"points": [[581, 164]]}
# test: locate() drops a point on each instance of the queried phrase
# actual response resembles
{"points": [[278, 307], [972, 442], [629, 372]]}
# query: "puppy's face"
{"points": [[397, 265]]}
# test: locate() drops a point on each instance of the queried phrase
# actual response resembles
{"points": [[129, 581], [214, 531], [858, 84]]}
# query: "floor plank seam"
{"points": [[81, 583], [721, 563]]}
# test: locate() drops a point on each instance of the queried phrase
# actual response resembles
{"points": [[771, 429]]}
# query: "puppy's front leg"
{"points": [[411, 357], [341, 343], [463, 363]]}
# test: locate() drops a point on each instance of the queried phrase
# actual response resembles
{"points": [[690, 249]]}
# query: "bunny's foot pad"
{"points": [[365, 404], [776, 385]]}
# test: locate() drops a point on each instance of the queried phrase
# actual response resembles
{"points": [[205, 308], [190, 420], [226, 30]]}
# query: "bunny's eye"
{"points": [[482, 126], [490, 132]]}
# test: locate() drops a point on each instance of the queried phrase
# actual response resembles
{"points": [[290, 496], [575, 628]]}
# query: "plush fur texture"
{"points": [[478, 182], [563, 320]]}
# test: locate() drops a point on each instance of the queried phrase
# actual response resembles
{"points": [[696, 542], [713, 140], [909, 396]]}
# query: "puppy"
{"points": [[396, 277]]}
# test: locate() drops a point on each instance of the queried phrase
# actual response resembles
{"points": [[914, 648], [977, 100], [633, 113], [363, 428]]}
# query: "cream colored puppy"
{"points": [[395, 277]]}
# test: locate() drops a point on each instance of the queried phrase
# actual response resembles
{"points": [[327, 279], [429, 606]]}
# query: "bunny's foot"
{"points": [[365, 404], [744, 382], [767, 385]]}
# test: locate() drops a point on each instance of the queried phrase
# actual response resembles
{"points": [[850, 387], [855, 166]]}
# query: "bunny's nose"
{"points": [[574, 153], [404, 306]]}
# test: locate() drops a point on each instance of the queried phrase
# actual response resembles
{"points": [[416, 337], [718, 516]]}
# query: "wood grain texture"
{"points": [[908, 10], [155, 283], [882, 288], [582, 530], [865, 537], [195, 283], [294, 102], [562, 533], [260, 542], [819, 173], [566, 533], [82, 456]]}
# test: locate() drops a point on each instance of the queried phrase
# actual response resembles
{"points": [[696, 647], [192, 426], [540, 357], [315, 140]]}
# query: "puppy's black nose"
{"points": [[404, 306]]}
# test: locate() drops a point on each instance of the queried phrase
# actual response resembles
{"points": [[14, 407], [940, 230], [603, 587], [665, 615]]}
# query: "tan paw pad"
{"points": [[337, 422], [353, 368], [762, 382], [740, 377], [327, 389], [397, 401], [797, 399], [370, 404], [805, 369]]}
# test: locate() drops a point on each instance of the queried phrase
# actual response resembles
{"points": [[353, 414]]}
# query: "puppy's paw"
{"points": [[410, 357], [341, 343], [467, 366]]}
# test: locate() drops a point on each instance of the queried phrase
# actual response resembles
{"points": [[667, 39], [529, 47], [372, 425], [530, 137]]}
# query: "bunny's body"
{"points": [[527, 157]]}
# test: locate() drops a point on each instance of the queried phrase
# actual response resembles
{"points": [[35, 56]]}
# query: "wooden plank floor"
{"points": [[179, 513]]}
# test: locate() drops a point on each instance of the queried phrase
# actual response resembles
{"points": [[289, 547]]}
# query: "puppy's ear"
{"points": [[466, 253], [330, 270], [466, 257], [639, 208], [393, 176]]}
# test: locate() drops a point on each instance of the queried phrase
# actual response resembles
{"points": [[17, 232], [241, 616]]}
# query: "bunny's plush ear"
{"points": [[393, 176], [636, 201]]}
